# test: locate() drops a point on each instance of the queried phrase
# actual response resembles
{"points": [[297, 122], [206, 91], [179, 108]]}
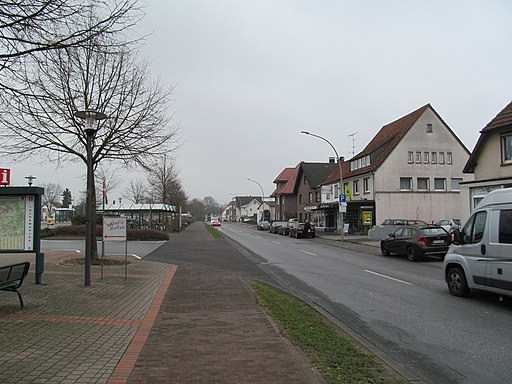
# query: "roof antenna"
{"points": [[352, 135]]}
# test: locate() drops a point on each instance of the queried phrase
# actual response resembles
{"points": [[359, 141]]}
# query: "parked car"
{"points": [[479, 257], [285, 229], [215, 223], [388, 226], [416, 242], [299, 231], [274, 227], [249, 220], [448, 224], [263, 225]]}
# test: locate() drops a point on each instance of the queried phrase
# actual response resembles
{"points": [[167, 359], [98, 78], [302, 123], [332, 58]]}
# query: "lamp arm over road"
{"points": [[341, 176], [262, 199]]}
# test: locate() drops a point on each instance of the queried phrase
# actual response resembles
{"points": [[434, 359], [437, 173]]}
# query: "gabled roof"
{"points": [[383, 143], [502, 120], [244, 200], [315, 173]]}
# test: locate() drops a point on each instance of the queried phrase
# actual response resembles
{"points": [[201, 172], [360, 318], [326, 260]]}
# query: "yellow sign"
{"points": [[348, 192], [367, 217], [50, 220]]}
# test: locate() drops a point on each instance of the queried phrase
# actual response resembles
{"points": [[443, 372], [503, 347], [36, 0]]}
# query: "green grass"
{"points": [[213, 231], [336, 356]]}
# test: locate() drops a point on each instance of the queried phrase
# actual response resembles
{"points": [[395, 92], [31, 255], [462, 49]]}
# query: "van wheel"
{"points": [[384, 250], [457, 284], [411, 254]]}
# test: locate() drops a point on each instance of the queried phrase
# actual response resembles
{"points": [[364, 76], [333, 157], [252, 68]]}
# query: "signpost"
{"points": [[114, 229], [5, 176]]}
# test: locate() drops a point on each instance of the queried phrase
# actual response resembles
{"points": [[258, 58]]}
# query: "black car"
{"points": [[274, 227], [299, 231], [416, 242], [263, 225]]}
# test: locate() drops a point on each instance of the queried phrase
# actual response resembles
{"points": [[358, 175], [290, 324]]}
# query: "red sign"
{"points": [[5, 176]]}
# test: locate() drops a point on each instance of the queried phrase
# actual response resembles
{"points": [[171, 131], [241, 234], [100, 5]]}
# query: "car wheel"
{"points": [[411, 254], [457, 284], [384, 249]]}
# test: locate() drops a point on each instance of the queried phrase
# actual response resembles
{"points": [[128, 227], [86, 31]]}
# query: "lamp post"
{"points": [[90, 118], [341, 176], [262, 199], [30, 179]]}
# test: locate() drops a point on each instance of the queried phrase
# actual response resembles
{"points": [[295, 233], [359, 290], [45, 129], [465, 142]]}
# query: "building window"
{"points": [[429, 128], [410, 157], [300, 198], [449, 159], [366, 185], [423, 183], [425, 157], [433, 158], [355, 187], [406, 183], [310, 197], [506, 149], [441, 157], [456, 184], [317, 197], [418, 157], [439, 184]]}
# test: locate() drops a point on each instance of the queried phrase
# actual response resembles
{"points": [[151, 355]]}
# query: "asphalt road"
{"points": [[401, 309]]}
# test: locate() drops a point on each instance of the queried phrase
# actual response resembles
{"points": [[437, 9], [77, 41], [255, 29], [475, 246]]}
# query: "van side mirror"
{"points": [[456, 237]]}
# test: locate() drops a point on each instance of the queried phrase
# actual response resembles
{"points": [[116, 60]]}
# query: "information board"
{"points": [[17, 223]]}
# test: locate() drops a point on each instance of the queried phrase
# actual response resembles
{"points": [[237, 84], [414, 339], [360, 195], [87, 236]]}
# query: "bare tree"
{"points": [[164, 182], [39, 118], [136, 191], [31, 26], [51, 196]]}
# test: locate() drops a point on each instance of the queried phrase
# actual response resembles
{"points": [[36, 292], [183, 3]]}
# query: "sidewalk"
{"points": [[179, 317]]}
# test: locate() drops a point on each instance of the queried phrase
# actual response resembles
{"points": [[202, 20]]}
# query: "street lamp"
{"points": [[90, 118], [30, 179], [262, 199], [341, 176]]}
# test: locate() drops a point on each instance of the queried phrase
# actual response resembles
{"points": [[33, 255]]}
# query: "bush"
{"points": [[79, 231], [78, 219]]}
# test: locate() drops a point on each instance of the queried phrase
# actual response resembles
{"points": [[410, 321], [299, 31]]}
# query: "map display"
{"points": [[16, 223]]}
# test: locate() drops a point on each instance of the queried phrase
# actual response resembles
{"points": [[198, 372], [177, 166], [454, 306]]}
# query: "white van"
{"points": [[480, 256]]}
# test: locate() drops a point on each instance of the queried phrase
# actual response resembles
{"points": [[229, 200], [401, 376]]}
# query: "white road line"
{"points": [[276, 242], [309, 253], [388, 277]]}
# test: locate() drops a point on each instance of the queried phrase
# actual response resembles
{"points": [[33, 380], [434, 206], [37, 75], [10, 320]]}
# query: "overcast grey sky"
{"points": [[250, 75]]}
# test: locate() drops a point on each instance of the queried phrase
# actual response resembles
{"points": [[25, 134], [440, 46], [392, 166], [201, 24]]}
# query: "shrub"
{"points": [[79, 231], [78, 219]]}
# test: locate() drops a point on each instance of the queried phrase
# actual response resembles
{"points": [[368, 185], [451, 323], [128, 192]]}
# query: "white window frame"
{"points": [[355, 187], [426, 157], [408, 180], [418, 157], [439, 179], [506, 149], [433, 158], [427, 180], [441, 158], [410, 157], [366, 185], [449, 158], [429, 128]]}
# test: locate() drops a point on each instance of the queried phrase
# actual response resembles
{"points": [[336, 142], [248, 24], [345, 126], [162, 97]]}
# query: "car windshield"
{"points": [[433, 231]]}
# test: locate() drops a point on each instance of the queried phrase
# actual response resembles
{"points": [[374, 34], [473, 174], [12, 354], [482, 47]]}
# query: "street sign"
{"points": [[5, 176], [114, 228], [343, 198]]}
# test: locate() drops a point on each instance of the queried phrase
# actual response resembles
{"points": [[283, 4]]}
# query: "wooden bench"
{"points": [[11, 277]]}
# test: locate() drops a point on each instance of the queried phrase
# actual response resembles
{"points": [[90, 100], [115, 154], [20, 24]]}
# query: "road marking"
{"points": [[276, 242], [388, 277], [309, 253]]}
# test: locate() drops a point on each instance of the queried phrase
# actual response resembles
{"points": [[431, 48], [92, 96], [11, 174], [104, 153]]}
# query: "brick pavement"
{"points": [[167, 322]]}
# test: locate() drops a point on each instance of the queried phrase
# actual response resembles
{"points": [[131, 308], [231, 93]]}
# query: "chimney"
{"points": [[332, 160]]}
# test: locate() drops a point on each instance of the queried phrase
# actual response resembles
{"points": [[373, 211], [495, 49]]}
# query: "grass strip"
{"points": [[336, 355], [213, 231]]}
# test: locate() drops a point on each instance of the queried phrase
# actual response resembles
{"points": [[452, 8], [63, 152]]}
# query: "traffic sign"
{"points": [[343, 198]]}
